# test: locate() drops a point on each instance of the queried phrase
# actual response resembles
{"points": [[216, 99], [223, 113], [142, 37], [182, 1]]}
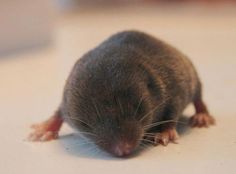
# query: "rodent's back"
{"points": [[162, 61]]}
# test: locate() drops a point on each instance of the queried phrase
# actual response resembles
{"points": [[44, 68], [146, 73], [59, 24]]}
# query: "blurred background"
{"points": [[58, 32], [41, 39], [27, 25]]}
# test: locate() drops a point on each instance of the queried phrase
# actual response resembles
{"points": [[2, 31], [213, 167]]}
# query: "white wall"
{"points": [[25, 24]]}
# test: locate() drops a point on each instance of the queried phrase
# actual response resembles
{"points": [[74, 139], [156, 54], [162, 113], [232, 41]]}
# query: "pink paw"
{"points": [[201, 120], [42, 133], [47, 130], [165, 137]]}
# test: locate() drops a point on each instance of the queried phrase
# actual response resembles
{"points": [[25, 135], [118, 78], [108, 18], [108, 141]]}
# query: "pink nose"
{"points": [[122, 149]]}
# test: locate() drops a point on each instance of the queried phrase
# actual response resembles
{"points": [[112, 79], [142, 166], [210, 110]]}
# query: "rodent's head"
{"points": [[108, 100], [115, 124]]}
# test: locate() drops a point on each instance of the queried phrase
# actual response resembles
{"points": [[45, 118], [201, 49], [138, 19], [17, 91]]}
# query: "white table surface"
{"points": [[31, 85]]}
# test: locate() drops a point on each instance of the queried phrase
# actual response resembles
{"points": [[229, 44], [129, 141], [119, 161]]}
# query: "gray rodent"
{"points": [[131, 88]]}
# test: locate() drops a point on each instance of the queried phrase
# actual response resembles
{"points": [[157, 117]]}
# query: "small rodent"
{"points": [[131, 88]]}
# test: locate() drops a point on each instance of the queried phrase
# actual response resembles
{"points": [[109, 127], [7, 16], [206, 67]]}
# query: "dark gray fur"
{"points": [[106, 86]]}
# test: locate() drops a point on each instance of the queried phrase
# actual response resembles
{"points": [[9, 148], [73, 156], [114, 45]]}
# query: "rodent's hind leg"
{"points": [[47, 130], [202, 117]]}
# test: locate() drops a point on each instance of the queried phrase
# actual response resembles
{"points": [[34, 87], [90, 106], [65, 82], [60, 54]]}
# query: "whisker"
{"points": [[98, 113], [145, 140], [82, 143], [85, 143], [161, 122], [77, 119], [154, 109], [144, 146], [85, 139], [158, 123], [89, 149], [97, 151], [140, 101], [149, 133], [89, 133], [151, 136], [141, 146]]}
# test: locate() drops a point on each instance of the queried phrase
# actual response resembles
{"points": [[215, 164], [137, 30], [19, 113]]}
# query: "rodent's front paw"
{"points": [[165, 137], [169, 135], [42, 133], [47, 130]]}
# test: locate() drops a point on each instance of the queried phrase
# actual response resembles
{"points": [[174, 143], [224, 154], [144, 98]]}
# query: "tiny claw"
{"points": [[164, 141], [169, 135], [165, 137]]}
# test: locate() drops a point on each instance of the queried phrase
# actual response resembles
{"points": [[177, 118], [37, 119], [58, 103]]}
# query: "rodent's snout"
{"points": [[122, 149], [119, 139]]}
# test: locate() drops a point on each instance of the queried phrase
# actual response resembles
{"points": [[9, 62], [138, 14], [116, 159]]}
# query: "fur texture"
{"points": [[114, 90]]}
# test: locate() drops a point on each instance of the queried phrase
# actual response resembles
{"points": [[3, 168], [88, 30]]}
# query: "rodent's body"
{"points": [[117, 64], [118, 91]]}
